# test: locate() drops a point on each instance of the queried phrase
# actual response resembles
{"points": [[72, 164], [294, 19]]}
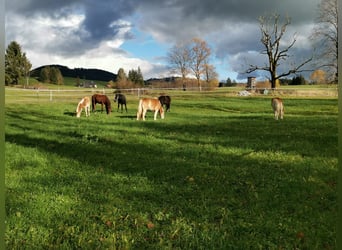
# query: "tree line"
{"points": [[133, 79]]}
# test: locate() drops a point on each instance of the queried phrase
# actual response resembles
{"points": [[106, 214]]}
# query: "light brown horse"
{"points": [[83, 104], [278, 107], [152, 104]]}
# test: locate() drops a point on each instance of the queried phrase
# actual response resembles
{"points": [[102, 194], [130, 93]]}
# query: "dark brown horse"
{"points": [[165, 100], [121, 99], [102, 99]]}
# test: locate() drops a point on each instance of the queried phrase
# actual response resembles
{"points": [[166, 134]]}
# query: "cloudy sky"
{"points": [[113, 34]]}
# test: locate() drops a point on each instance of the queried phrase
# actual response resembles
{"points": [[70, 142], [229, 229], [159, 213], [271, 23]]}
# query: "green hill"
{"points": [[81, 73]]}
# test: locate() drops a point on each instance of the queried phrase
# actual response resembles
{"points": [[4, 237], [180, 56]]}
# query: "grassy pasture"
{"points": [[218, 173]]}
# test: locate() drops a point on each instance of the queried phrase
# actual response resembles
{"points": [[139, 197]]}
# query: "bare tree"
{"points": [[325, 35], [271, 37], [209, 72], [200, 53], [179, 58]]}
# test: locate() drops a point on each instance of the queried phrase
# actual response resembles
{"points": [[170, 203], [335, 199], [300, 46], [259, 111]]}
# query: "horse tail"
{"points": [[108, 105], [93, 99], [140, 109]]}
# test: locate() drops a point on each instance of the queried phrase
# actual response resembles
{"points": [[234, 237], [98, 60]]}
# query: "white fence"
{"points": [[74, 95]]}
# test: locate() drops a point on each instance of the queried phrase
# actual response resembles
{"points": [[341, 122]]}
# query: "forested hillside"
{"points": [[82, 73]]}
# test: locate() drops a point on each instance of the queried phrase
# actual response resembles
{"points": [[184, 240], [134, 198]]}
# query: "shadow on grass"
{"points": [[69, 113], [157, 168]]}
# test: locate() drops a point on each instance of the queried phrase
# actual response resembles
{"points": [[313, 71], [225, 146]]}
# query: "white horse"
{"points": [[278, 108], [152, 104], [83, 104]]}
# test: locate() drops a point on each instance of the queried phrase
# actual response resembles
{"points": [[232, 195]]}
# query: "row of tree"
{"points": [[192, 57], [51, 75], [132, 80], [318, 76]]}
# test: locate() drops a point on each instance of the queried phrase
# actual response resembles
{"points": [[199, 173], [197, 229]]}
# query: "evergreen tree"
{"points": [[56, 76], [51, 75], [132, 75], [16, 64], [136, 76], [26, 67], [298, 80], [45, 74], [121, 76], [140, 78]]}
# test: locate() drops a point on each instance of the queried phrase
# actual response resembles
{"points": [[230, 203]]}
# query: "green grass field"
{"points": [[217, 173]]}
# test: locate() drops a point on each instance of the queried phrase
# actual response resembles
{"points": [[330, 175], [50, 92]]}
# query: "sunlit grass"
{"points": [[217, 173]]}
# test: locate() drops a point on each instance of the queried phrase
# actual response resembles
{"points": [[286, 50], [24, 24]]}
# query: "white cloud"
{"points": [[51, 42], [83, 34]]}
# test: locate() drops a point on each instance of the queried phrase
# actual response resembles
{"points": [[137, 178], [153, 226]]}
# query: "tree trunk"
{"points": [[273, 79]]}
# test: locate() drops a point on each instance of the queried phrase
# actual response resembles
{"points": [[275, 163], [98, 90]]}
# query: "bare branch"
{"points": [[325, 36], [271, 37]]}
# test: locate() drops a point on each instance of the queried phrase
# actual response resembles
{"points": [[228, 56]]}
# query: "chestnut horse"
{"points": [[83, 104], [278, 107], [103, 99], [152, 104]]}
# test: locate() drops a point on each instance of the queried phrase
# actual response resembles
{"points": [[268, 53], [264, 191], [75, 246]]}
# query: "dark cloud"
{"points": [[170, 20], [100, 17], [231, 26], [51, 8], [199, 15], [99, 23]]}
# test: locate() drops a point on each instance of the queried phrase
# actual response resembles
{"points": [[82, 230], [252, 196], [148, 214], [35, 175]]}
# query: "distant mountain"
{"points": [[86, 74], [170, 79]]}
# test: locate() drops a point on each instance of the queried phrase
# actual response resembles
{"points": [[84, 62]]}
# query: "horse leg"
{"points": [[144, 114], [155, 114]]}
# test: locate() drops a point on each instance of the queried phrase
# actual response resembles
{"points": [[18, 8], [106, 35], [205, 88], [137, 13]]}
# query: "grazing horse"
{"points": [[165, 100], [149, 104], [103, 99], [121, 99], [278, 107], [83, 104]]}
